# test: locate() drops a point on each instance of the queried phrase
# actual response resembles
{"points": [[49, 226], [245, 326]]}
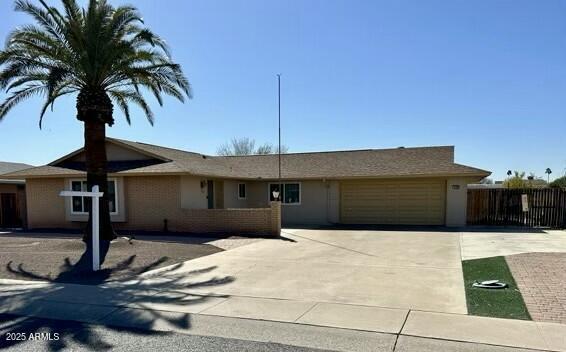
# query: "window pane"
{"points": [[292, 193], [273, 187], [86, 204], [85, 186], [76, 186], [112, 196], [77, 204], [242, 190]]}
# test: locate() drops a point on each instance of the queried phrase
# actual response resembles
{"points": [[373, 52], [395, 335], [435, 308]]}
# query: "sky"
{"points": [[488, 76]]}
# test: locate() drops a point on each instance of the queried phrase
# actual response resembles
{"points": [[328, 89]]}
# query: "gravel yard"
{"points": [[54, 258]]}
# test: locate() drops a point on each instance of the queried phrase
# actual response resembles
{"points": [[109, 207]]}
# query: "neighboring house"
{"points": [[150, 184], [12, 197]]}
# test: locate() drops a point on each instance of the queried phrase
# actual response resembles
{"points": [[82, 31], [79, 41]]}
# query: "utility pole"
{"points": [[279, 147]]}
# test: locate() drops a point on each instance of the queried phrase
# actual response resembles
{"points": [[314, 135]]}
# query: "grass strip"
{"points": [[499, 303]]}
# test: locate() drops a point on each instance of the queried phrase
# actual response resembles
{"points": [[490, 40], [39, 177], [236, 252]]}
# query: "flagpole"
{"points": [[279, 115]]}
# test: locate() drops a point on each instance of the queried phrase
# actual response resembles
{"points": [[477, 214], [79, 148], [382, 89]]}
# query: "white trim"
{"points": [[110, 179], [282, 193], [245, 191]]}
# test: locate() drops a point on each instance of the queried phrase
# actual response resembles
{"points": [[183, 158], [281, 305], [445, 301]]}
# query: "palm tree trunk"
{"points": [[96, 168]]}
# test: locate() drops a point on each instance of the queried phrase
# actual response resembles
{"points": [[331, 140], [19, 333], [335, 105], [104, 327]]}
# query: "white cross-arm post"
{"points": [[95, 195]]}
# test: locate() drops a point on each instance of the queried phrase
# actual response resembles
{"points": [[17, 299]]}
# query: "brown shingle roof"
{"points": [[426, 161], [8, 167]]}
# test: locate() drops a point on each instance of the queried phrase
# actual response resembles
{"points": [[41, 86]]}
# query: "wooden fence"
{"points": [[546, 207]]}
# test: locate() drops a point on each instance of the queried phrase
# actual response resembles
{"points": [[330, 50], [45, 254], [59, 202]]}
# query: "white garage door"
{"points": [[406, 202]]}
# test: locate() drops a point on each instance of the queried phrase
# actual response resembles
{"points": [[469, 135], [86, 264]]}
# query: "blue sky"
{"points": [[486, 76]]}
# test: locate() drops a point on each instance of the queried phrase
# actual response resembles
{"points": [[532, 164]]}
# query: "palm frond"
{"points": [[19, 96], [99, 48]]}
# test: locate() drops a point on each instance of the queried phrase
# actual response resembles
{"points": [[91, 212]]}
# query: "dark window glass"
{"points": [[112, 196], [292, 193], [82, 204], [242, 190]]}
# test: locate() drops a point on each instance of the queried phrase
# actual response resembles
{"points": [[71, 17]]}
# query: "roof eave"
{"points": [[117, 142]]}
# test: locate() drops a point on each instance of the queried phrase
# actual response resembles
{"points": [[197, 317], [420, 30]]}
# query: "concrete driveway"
{"points": [[499, 242], [393, 269]]}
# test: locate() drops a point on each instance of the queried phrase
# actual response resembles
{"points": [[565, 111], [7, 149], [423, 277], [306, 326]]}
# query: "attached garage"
{"points": [[402, 202]]}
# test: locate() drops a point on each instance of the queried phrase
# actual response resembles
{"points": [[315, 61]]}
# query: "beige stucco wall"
{"points": [[45, 208], [456, 201], [320, 202], [193, 196], [257, 194], [315, 208], [231, 199], [333, 205]]}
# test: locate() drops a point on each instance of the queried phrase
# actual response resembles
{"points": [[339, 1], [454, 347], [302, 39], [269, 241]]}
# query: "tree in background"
{"points": [[103, 54], [559, 182], [518, 180], [486, 181], [246, 146], [548, 171]]}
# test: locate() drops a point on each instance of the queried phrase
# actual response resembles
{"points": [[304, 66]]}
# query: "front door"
{"points": [[8, 210], [210, 193]]}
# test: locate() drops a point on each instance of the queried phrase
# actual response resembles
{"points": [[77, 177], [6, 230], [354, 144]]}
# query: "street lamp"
{"points": [[275, 195]]}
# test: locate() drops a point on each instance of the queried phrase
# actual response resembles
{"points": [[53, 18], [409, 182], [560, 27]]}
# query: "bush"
{"points": [[559, 182]]}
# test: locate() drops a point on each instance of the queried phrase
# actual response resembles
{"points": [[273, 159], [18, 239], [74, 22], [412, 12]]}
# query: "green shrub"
{"points": [[559, 182]]}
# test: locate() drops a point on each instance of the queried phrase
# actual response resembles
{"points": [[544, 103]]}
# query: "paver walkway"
{"points": [[541, 278]]}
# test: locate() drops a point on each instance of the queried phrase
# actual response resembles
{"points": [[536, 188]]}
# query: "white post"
{"points": [[95, 230], [95, 195]]}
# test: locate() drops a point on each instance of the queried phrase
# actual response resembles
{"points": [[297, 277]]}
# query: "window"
{"points": [[81, 205], [291, 192], [241, 191]]}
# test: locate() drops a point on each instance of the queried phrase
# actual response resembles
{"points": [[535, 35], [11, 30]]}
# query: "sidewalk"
{"points": [[149, 304]]}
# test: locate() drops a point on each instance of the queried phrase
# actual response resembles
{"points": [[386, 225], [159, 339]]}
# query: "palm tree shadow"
{"points": [[81, 271], [136, 306]]}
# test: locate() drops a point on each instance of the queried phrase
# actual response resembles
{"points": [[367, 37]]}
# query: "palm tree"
{"points": [[548, 171], [105, 55]]}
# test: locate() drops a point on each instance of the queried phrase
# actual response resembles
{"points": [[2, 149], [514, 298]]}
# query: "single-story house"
{"points": [[154, 187], [12, 197]]}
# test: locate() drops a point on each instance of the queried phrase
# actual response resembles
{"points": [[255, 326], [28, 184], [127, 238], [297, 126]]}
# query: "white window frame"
{"points": [[110, 179], [282, 194], [245, 190]]}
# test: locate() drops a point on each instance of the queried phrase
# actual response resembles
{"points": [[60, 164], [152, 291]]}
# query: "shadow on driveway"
{"points": [[98, 301]]}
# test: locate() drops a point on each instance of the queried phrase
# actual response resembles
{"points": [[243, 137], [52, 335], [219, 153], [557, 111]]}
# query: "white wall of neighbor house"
{"points": [[193, 193], [456, 201]]}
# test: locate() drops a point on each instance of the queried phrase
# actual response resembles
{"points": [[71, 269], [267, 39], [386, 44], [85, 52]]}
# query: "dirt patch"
{"points": [[55, 259], [541, 278]]}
